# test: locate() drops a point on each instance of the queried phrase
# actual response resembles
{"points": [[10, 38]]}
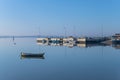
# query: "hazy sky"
{"points": [[55, 17]]}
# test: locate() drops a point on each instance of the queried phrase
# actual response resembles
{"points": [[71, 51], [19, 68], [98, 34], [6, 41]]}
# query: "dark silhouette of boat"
{"points": [[32, 55]]}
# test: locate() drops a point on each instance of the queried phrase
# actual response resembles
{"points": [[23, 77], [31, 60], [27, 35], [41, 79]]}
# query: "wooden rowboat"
{"points": [[32, 55]]}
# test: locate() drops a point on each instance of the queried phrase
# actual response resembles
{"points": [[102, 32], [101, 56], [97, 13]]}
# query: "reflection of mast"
{"points": [[14, 40], [102, 50], [65, 51]]}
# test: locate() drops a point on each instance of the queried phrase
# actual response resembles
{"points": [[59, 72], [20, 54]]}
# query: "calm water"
{"points": [[59, 63]]}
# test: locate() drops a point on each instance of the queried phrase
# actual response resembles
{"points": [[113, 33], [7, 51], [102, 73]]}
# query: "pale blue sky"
{"points": [[50, 17]]}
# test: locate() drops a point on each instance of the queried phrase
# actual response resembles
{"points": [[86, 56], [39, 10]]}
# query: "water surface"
{"points": [[59, 63]]}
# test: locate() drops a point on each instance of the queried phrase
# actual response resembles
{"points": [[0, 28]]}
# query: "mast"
{"points": [[102, 30], [65, 31]]}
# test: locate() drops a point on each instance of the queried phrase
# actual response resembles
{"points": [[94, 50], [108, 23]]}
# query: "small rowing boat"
{"points": [[32, 55]]}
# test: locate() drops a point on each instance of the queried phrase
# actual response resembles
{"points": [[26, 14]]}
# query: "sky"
{"points": [[59, 17]]}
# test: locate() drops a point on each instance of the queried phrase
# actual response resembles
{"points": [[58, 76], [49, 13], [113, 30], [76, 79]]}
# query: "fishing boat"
{"points": [[32, 55]]}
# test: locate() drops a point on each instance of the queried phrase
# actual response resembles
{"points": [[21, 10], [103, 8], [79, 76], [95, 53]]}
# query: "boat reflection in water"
{"points": [[82, 43], [116, 46], [32, 55]]}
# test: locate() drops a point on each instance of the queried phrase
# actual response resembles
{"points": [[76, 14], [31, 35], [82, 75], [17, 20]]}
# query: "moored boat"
{"points": [[116, 39], [32, 55]]}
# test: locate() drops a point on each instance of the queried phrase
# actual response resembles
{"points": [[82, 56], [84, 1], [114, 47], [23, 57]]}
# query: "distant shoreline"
{"points": [[19, 36]]}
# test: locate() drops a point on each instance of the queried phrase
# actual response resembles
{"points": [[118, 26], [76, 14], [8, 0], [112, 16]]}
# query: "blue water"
{"points": [[59, 63]]}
